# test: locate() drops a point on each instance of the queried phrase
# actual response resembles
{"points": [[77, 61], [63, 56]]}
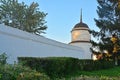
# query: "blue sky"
{"points": [[64, 14]]}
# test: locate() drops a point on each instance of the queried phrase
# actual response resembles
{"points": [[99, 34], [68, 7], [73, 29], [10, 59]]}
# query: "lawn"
{"points": [[113, 72], [107, 74]]}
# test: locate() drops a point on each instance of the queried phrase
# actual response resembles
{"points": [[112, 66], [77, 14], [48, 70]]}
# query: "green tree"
{"points": [[22, 16], [3, 58], [108, 24]]}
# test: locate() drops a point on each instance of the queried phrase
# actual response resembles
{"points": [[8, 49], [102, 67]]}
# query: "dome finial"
{"points": [[81, 16]]}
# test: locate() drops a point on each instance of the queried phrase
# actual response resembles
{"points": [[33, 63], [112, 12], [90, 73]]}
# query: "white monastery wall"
{"points": [[86, 47], [16, 43]]}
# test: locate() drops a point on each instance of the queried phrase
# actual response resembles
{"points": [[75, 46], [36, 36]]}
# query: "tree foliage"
{"points": [[3, 58], [108, 24], [22, 16]]}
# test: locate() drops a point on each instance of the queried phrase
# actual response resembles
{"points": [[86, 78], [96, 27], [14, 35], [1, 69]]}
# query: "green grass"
{"points": [[113, 72], [106, 73]]}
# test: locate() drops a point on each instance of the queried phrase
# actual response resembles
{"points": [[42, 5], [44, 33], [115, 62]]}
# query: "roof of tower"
{"points": [[81, 24]]}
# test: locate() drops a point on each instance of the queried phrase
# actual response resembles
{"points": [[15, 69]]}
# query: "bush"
{"points": [[58, 67], [52, 66], [98, 65], [19, 72]]}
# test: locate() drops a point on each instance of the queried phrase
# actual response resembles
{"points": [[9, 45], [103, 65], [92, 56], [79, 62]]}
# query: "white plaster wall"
{"points": [[75, 35], [86, 47], [17, 43], [80, 35]]}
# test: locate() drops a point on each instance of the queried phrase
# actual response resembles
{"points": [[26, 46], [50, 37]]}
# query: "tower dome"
{"points": [[81, 24]]}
